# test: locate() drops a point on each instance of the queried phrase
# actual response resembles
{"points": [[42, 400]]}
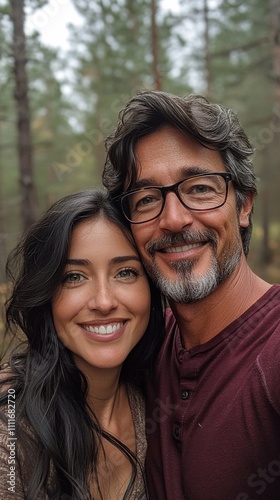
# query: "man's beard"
{"points": [[187, 287]]}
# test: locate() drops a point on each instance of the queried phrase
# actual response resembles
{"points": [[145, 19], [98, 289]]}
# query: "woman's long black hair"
{"points": [[50, 390]]}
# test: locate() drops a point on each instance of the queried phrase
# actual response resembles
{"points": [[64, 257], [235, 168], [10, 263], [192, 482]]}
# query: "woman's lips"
{"points": [[103, 329]]}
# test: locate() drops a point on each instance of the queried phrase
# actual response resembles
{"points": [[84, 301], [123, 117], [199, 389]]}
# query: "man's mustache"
{"points": [[184, 238]]}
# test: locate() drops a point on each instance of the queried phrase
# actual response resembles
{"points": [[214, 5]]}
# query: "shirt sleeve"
{"points": [[268, 363]]}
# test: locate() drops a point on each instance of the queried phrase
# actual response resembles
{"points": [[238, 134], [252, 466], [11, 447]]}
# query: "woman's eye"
{"points": [[73, 278], [127, 273]]}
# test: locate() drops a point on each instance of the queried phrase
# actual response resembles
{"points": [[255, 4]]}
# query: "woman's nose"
{"points": [[103, 298]]}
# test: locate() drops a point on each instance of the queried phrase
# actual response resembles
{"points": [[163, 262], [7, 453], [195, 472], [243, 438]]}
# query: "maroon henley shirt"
{"points": [[213, 412]]}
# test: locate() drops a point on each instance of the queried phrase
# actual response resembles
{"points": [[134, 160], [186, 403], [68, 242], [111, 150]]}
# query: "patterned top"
{"points": [[17, 464]]}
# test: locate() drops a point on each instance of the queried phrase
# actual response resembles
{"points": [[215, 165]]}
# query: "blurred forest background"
{"points": [[57, 106]]}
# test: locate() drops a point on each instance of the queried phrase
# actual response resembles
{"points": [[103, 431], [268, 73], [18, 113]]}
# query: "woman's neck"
{"points": [[108, 405], [106, 394], [108, 400]]}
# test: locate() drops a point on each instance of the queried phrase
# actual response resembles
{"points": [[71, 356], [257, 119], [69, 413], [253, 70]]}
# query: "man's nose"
{"points": [[174, 216]]}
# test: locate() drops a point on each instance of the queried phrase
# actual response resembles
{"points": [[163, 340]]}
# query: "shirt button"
{"points": [[176, 431], [184, 394]]}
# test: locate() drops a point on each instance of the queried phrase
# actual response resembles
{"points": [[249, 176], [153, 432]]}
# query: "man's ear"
{"points": [[246, 210]]}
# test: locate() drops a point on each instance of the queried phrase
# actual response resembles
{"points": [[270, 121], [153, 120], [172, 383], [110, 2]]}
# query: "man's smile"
{"points": [[180, 249], [183, 242]]}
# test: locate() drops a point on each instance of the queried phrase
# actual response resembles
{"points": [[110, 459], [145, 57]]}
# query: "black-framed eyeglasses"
{"points": [[200, 192]]}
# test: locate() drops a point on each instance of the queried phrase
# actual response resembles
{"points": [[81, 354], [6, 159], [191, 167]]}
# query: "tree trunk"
{"points": [[266, 253], [3, 249], [275, 17], [156, 71], [207, 65], [25, 153]]}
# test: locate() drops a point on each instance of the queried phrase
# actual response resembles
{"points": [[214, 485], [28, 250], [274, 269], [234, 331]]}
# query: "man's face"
{"points": [[187, 253]]}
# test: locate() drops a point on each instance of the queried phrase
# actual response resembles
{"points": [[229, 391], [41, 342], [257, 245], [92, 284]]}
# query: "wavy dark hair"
{"points": [[50, 390], [211, 125]]}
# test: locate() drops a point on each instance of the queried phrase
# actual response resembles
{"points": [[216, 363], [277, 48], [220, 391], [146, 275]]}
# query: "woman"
{"points": [[72, 414]]}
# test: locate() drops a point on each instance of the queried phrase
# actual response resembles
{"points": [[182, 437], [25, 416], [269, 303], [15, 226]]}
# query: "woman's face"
{"points": [[102, 307]]}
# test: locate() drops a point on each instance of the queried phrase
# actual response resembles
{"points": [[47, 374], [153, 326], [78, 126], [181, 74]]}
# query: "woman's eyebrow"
{"points": [[124, 258], [114, 260], [78, 262]]}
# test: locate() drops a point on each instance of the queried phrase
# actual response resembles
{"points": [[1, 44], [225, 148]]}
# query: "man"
{"points": [[181, 170]]}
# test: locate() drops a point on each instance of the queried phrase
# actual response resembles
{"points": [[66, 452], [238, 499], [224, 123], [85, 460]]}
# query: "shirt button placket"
{"points": [[184, 394], [176, 431]]}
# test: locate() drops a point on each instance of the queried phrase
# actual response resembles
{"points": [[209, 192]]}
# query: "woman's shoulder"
{"points": [[11, 409], [137, 405], [135, 396]]}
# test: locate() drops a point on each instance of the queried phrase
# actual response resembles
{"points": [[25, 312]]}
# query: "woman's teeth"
{"points": [[103, 329]]}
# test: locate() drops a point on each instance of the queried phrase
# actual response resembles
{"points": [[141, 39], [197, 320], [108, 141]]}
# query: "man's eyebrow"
{"points": [[143, 183], [185, 172]]}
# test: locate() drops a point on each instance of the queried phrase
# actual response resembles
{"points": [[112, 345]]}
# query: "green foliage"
{"points": [[114, 60], [52, 134], [225, 51], [242, 55], [240, 42]]}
